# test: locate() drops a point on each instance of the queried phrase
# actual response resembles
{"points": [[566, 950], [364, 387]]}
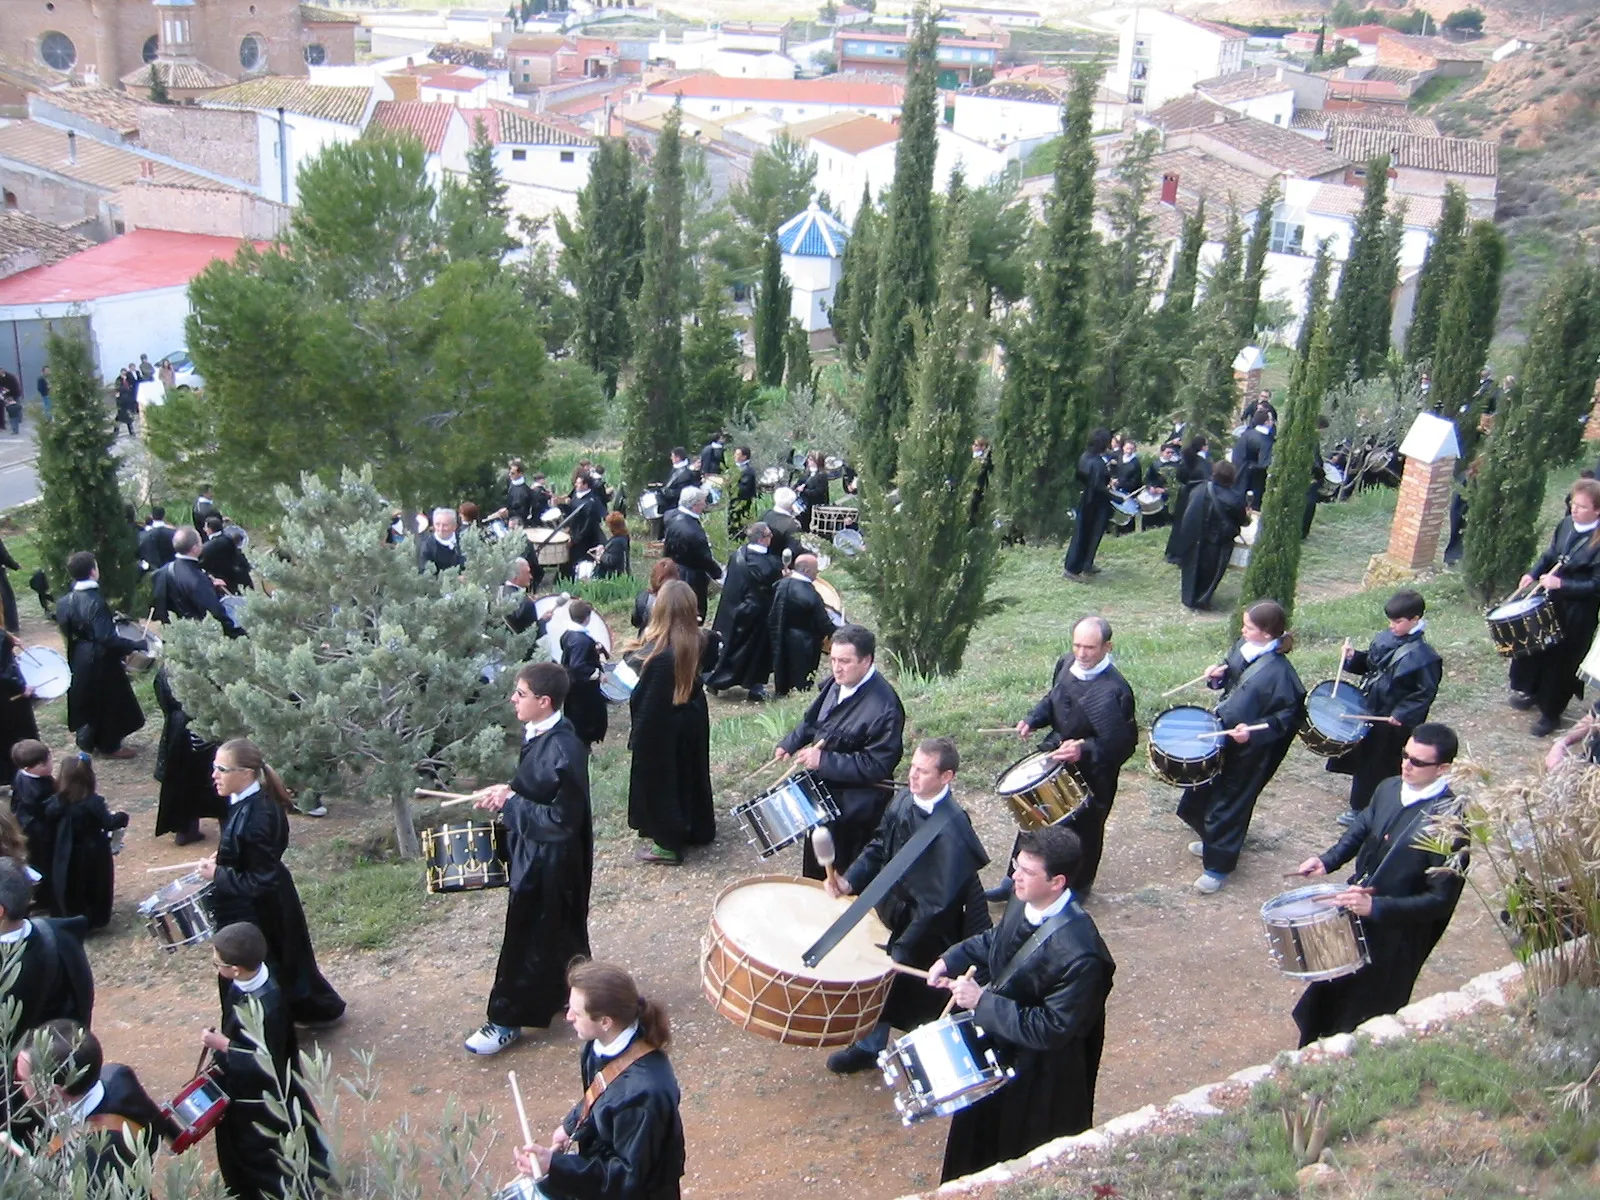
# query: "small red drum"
{"points": [[196, 1111]]}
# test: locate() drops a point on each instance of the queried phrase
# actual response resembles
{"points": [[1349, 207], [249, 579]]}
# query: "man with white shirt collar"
{"points": [[101, 706], [938, 900], [440, 547], [1038, 984], [155, 541], [685, 543], [1403, 898], [55, 980], [797, 623]]}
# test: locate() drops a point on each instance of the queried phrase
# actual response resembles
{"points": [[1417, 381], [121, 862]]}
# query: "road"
{"points": [[18, 482]]}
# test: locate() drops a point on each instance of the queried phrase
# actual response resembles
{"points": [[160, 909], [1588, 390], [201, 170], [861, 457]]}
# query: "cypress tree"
{"points": [[1316, 297], [1046, 404], [858, 285], [929, 565], [1127, 271], [488, 190], [600, 259], [712, 363], [1438, 265], [1255, 265], [797, 372], [1466, 327], [1359, 330], [771, 318], [906, 276], [80, 504], [654, 421], [1186, 267], [1572, 357], [1209, 395], [1275, 560], [1503, 501]]}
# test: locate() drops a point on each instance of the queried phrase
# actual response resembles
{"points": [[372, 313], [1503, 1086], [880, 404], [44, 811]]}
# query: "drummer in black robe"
{"points": [[1094, 507], [785, 528], [1211, 520], [17, 722], [624, 1138], [742, 504], [1567, 570], [743, 613], [1401, 675], [249, 1137], [813, 488], [797, 624], [936, 903], [1193, 470], [101, 706], [852, 738], [1041, 980], [520, 610], [253, 885], [686, 544], [1403, 898], [679, 476], [54, 980], [1259, 687], [550, 838], [82, 872], [585, 705]]}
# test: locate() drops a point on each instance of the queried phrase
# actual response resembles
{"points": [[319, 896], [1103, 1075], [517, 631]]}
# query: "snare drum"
{"points": [[1179, 755], [521, 1188], [469, 857], [783, 814], [1150, 501], [45, 671], [617, 681], [558, 622], [752, 973], [180, 914], [553, 547], [234, 606], [650, 505], [196, 1111], [1524, 626], [1311, 939], [148, 640], [942, 1068], [771, 479], [1329, 730], [831, 600], [1040, 790]]}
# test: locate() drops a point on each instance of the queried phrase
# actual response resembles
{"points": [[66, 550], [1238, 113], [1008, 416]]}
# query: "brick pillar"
{"points": [[1591, 431], [1420, 513]]}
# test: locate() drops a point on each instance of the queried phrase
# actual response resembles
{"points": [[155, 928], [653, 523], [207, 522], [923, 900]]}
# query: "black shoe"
{"points": [[1544, 727], [1000, 893], [1091, 570], [852, 1060], [188, 839], [1076, 578], [1521, 701]]}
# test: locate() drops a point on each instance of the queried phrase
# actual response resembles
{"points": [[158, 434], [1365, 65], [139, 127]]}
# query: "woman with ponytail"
{"points": [[624, 1138], [252, 884]]}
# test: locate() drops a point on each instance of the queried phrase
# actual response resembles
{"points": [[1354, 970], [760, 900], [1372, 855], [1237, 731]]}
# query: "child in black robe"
{"points": [[82, 874], [17, 722], [31, 788], [580, 655], [183, 769], [249, 1139]]}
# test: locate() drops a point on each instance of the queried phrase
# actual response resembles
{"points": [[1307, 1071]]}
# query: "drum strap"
{"points": [[1426, 810], [881, 883], [607, 1075], [1032, 946]]}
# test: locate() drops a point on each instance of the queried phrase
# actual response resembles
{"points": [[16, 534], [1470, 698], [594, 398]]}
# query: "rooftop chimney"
{"points": [[1219, 118], [147, 169], [1169, 188], [72, 146]]}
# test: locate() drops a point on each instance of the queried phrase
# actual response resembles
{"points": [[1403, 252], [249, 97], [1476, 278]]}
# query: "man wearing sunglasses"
{"points": [[1403, 900]]}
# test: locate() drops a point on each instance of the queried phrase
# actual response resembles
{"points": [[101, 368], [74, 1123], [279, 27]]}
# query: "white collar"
{"points": [[87, 1103], [1262, 428], [86, 585], [580, 491], [805, 579], [1202, 453], [846, 692], [514, 480], [927, 806], [154, 524], [194, 558], [533, 729], [1094, 671], [254, 787], [1249, 651], [16, 935], [1589, 528], [1038, 916], [1410, 795], [448, 542], [757, 547], [617, 1044], [1422, 623], [255, 983], [690, 511]]}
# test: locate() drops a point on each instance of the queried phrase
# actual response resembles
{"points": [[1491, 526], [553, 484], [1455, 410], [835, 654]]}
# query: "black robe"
{"points": [[630, 1146], [814, 491], [155, 546], [550, 837], [678, 478], [17, 722], [108, 1152], [431, 552], [1049, 1023], [936, 903], [1190, 474], [643, 603], [1099, 712], [1402, 677], [1551, 675], [8, 598], [865, 742], [1252, 454], [686, 544], [82, 872], [220, 557], [796, 624], [30, 795], [1413, 904], [785, 534], [101, 706], [1093, 513], [519, 501], [743, 501], [1267, 690], [614, 558], [743, 610], [669, 779], [586, 705], [55, 980], [183, 768], [247, 1155], [1211, 520], [585, 524], [183, 589], [252, 884]]}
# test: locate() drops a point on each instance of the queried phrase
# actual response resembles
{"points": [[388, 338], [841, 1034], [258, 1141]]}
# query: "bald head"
{"points": [[1091, 642], [806, 565]]}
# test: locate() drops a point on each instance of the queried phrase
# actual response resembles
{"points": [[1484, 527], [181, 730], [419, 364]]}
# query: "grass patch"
{"points": [[365, 905], [1436, 89]]}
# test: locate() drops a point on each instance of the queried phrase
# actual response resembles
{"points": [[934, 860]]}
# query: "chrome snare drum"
{"points": [[1329, 729], [1311, 939], [942, 1068], [1040, 790], [180, 914], [784, 813]]}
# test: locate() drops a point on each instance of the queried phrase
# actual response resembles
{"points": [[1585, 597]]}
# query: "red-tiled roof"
{"points": [[855, 137], [1458, 156], [22, 234], [1244, 85], [1363, 33], [514, 125], [452, 82], [428, 121], [819, 91], [141, 261]]}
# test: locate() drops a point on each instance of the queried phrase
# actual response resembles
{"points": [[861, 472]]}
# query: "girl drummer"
{"points": [[1567, 571], [1262, 705], [252, 884]]}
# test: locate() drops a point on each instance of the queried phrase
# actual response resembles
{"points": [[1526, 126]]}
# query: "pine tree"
{"points": [[474, 210], [1255, 265], [771, 318], [483, 177], [600, 258], [1045, 407], [712, 362], [1434, 281], [654, 421], [1275, 560], [1186, 266], [906, 268], [1359, 330], [80, 504], [856, 295], [779, 186], [1322, 38], [1466, 327], [1316, 297], [929, 564]]}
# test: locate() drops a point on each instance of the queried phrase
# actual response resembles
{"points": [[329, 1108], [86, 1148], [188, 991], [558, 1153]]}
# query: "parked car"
{"points": [[184, 374]]}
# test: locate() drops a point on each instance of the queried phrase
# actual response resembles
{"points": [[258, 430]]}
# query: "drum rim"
{"points": [[777, 973], [1055, 770], [1527, 604], [1156, 747], [1304, 892]]}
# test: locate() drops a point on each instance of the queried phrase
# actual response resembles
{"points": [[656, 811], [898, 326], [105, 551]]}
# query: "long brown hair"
{"points": [[675, 626], [75, 780], [244, 753], [1590, 489], [1269, 617], [609, 991]]}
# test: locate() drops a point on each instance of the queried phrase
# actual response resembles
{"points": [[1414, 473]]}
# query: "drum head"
{"points": [[849, 541], [1517, 608], [830, 596], [1177, 731], [1331, 714], [45, 671], [772, 477], [1026, 774], [559, 623], [776, 920], [1301, 905]]}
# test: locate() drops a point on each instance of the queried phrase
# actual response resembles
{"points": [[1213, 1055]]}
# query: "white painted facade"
{"points": [[784, 112], [1274, 109], [553, 168], [842, 175], [304, 138], [1161, 56], [996, 121], [120, 327]]}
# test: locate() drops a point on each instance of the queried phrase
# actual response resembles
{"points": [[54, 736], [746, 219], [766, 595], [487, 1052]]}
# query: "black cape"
{"points": [[630, 1146], [55, 980], [669, 779], [586, 516], [614, 559], [108, 1151], [8, 598], [29, 797], [101, 707], [586, 705], [1093, 513], [1412, 907], [1211, 520], [252, 884], [686, 544], [17, 722], [785, 533], [1050, 1025], [1190, 474], [183, 768], [743, 610], [155, 546], [433, 553], [1401, 679], [183, 589], [796, 624], [1551, 676], [550, 836], [82, 872]]}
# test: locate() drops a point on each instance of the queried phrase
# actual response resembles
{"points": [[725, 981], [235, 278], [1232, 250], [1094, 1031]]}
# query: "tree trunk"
{"points": [[405, 832]]}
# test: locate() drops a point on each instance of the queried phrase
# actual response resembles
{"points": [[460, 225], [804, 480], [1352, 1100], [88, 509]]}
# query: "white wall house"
{"points": [[1006, 113], [295, 121], [857, 156], [1161, 56], [543, 159], [787, 101], [812, 246]]}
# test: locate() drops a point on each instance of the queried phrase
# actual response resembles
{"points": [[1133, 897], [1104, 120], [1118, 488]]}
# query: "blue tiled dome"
{"points": [[813, 234]]}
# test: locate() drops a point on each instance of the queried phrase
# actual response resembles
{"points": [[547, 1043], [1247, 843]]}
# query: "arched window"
{"points": [[57, 50], [151, 45], [315, 55], [253, 52]]}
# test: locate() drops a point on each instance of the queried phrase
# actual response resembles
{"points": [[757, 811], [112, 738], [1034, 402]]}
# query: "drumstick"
{"points": [[758, 772], [795, 765], [1226, 732], [905, 969], [146, 630], [458, 796], [1338, 671], [183, 866], [460, 800], [951, 1003], [1200, 678], [522, 1113], [822, 848], [1361, 717], [998, 729]]}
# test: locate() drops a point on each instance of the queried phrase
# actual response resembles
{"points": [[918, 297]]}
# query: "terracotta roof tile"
{"points": [[21, 233], [1243, 85], [116, 111], [1190, 112], [511, 125], [346, 105], [1461, 156], [1356, 118], [186, 74], [428, 121], [1280, 148], [858, 136], [97, 165], [1341, 200]]}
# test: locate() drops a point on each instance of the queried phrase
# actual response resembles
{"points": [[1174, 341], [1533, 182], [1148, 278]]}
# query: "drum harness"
{"points": [[1033, 945]]}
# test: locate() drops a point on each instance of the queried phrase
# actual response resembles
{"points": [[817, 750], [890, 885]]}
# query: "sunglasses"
{"points": [[1417, 762]]}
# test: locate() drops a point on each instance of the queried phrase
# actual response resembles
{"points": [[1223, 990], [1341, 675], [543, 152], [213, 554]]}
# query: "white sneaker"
{"points": [[1198, 849], [492, 1038], [1209, 884], [320, 810]]}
